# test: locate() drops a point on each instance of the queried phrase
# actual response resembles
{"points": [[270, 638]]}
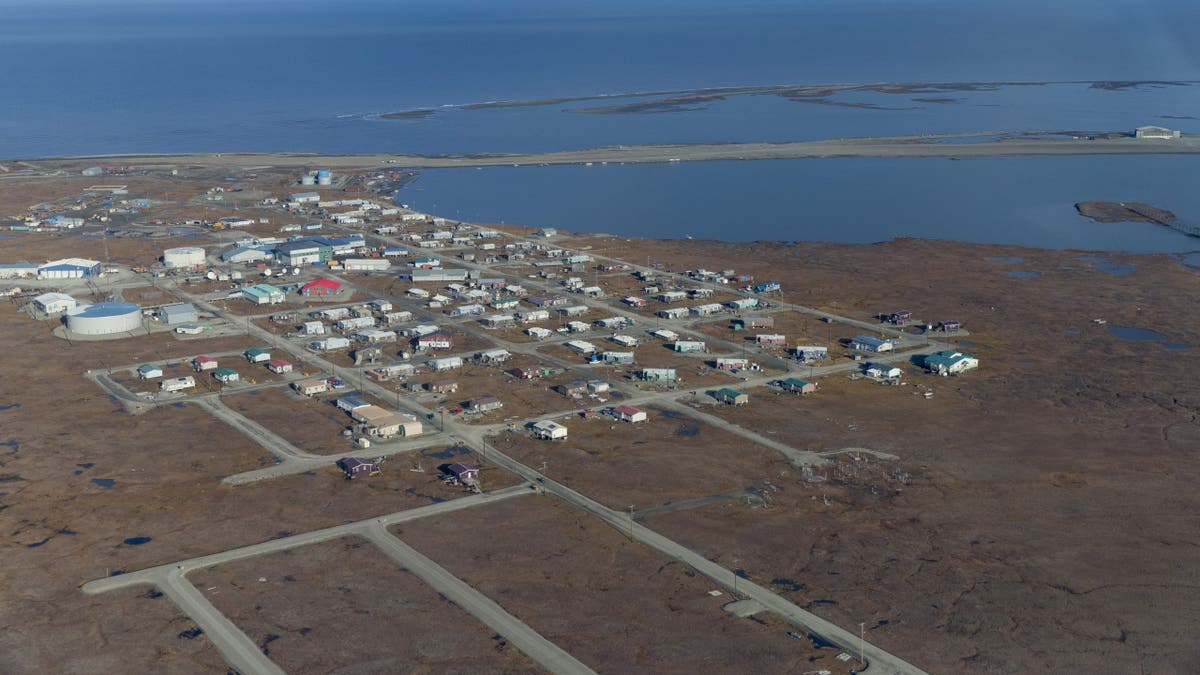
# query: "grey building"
{"points": [[184, 312]]}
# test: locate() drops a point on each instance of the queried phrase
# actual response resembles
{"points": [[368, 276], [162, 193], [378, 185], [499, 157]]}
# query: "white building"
{"points": [[54, 303], [550, 431], [447, 363], [366, 264], [580, 346], [330, 344]]}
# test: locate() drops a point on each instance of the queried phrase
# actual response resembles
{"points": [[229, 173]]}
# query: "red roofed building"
{"points": [[279, 366], [320, 288], [201, 363], [628, 413], [438, 340]]}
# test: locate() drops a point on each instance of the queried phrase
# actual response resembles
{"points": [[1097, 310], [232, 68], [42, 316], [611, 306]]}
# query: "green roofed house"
{"points": [[732, 397], [798, 386], [226, 375], [950, 362], [257, 355], [149, 371]]}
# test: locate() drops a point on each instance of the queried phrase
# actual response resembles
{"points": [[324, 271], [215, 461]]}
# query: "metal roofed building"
{"points": [[183, 312], [54, 303], [18, 270], [867, 343], [263, 294], [320, 288], [731, 396], [949, 362], [69, 268], [246, 254]]}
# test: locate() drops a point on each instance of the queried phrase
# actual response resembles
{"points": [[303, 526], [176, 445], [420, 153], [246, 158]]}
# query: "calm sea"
{"points": [[182, 76]]}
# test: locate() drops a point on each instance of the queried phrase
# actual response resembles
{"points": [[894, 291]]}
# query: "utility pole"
{"points": [[631, 522], [862, 629]]}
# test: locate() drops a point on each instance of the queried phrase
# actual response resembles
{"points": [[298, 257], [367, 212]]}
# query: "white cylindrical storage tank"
{"points": [[183, 256], [308, 179], [325, 180], [104, 318]]}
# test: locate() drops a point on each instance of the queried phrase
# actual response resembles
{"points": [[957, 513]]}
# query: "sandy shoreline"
{"points": [[939, 145]]}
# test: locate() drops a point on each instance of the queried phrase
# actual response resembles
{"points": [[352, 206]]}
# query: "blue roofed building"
{"points": [[867, 343], [69, 268], [246, 254]]}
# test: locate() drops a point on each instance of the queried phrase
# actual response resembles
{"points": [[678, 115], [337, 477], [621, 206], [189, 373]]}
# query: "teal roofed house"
{"points": [[149, 370], [950, 362], [257, 355], [798, 386], [732, 397], [226, 375]]}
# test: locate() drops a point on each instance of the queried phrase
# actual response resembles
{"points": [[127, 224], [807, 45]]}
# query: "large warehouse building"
{"points": [[104, 318], [69, 268], [185, 257]]}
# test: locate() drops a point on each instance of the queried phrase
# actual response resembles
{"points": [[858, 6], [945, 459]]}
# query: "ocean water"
{"points": [[137, 76], [1027, 201]]}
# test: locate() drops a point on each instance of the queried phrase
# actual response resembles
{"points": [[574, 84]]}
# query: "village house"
{"points": [[884, 371], [550, 431], [353, 467], [279, 366], [657, 374], [443, 386], [950, 362], [149, 371], [226, 375], [257, 355], [573, 388], [438, 340], [202, 363], [874, 345], [798, 386], [628, 413], [731, 396], [311, 387], [484, 404]]}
